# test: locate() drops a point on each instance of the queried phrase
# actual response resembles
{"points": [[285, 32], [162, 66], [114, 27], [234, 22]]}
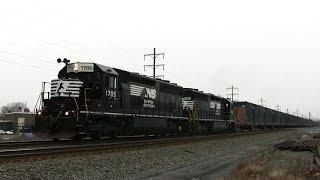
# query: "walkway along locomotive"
{"points": [[89, 99]]}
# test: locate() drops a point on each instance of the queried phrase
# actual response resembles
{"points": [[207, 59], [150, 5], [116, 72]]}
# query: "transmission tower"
{"points": [[233, 93], [262, 101], [288, 111], [154, 56]]}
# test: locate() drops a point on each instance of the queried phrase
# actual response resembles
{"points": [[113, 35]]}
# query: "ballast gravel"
{"points": [[204, 159]]}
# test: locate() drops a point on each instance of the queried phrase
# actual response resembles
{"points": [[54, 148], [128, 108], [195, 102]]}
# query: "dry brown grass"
{"points": [[257, 172], [274, 164], [246, 170], [277, 174]]}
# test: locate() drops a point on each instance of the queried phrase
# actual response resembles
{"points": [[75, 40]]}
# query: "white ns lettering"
{"points": [[151, 93]]}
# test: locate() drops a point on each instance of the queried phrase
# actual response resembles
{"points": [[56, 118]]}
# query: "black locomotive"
{"points": [[90, 99]]}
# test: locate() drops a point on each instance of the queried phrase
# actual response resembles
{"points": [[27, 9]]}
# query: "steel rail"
{"points": [[12, 144], [87, 147], [8, 144]]}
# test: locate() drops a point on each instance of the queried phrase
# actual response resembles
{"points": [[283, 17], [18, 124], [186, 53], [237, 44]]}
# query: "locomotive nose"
{"points": [[50, 125]]}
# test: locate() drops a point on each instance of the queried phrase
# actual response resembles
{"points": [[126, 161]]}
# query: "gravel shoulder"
{"points": [[203, 160]]}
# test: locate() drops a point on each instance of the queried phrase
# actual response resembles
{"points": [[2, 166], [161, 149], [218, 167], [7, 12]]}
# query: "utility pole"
{"points": [[233, 93], [309, 116], [261, 101], [278, 107], [154, 55], [2, 127]]}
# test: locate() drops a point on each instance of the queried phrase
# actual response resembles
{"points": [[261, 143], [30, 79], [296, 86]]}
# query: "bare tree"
{"points": [[14, 107]]}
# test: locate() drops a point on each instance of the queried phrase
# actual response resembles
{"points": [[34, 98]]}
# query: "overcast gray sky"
{"points": [[269, 49]]}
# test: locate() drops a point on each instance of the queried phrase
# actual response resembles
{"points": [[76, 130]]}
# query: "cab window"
{"points": [[113, 82]]}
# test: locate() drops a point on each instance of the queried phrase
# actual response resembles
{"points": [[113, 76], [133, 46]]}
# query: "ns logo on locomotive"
{"points": [[89, 99]]}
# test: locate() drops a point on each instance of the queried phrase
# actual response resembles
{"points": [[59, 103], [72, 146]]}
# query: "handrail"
{"points": [[74, 98], [85, 102], [35, 107]]}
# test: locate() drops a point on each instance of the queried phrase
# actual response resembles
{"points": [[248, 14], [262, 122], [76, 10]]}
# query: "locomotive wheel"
{"points": [[114, 134], [199, 129], [78, 137], [95, 136], [205, 130]]}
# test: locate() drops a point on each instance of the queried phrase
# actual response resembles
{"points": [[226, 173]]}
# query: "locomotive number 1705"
{"points": [[111, 94]]}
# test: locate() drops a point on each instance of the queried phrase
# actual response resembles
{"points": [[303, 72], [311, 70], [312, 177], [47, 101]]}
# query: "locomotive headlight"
{"points": [[66, 113], [39, 113]]}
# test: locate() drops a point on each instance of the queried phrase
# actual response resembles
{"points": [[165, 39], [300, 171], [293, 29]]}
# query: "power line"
{"points": [[57, 28], [25, 65], [154, 55], [85, 52], [233, 93], [64, 46], [78, 51], [35, 51], [23, 56]]}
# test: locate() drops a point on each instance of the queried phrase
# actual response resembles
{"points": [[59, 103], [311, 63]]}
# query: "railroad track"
{"points": [[25, 143], [49, 142], [107, 145]]}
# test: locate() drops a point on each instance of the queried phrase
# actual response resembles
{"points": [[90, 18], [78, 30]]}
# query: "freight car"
{"points": [[89, 99], [249, 116]]}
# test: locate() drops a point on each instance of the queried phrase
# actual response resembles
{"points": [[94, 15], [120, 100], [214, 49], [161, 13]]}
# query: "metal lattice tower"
{"points": [[233, 93], [154, 55]]}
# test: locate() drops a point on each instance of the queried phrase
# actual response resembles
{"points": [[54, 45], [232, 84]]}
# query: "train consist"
{"points": [[90, 99], [248, 116]]}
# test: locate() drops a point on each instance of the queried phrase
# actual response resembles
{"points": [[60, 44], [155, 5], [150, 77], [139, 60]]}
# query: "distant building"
{"points": [[6, 125], [19, 121]]}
